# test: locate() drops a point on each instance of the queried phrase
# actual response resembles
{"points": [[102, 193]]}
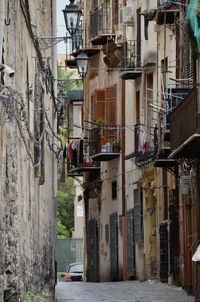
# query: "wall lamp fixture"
{"points": [[82, 63], [72, 15]]}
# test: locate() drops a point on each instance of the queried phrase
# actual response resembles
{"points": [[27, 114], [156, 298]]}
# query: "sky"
{"points": [[61, 29]]}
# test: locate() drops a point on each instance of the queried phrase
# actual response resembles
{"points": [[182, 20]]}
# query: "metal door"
{"points": [[138, 216], [174, 267], [163, 252], [114, 268], [130, 244], [93, 252]]}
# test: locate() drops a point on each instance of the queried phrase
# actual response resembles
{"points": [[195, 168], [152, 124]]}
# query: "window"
{"points": [[94, 4], [149, 97], [114, 190], [107, 233], [115, 11], [138, 107], [138, 215], [138, 37], [103, 105], [164, 70], [2, 60]]}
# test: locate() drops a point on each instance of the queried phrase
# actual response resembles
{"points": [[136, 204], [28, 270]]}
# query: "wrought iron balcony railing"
{"points": [[185, 127], [131, 60], [172, 97], [78, 160], [100, 24], [146, 143], [104, 143]]}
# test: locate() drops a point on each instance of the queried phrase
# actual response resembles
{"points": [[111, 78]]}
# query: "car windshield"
{"points": [[76, 268]]}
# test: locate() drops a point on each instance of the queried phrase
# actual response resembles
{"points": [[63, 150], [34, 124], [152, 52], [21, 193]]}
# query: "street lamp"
{"points": [[72, 17], [82, 63], [72, 21]]}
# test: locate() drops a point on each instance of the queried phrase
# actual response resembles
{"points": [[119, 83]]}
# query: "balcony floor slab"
{"points": [[104, 156], [189, 149]]}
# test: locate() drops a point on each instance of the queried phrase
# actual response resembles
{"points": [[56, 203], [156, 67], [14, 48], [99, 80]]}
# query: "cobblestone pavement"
{"points": [[129, 291]]}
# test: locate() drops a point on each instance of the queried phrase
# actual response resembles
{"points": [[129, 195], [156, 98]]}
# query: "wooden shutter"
{"points": [[111, 96], [98, 105], [94, 4], [115, 11], [138, 107], [138, 215], [149, 95], [138, 37]]}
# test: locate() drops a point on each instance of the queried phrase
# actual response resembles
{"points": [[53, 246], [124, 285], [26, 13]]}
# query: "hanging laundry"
{"points": [[65, 152], [70, 152], [80, 157], [143, 142]]}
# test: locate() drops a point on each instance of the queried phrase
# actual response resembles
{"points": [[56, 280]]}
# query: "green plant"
{"points": [[39, 297], [116, 145], [130, 58], [100, 121]]}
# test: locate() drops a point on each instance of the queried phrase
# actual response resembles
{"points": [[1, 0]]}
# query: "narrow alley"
{"points": [[100, 150], [130, 291]]}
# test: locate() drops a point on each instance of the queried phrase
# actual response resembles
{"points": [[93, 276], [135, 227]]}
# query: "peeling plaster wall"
{"points": [[27, 208]]}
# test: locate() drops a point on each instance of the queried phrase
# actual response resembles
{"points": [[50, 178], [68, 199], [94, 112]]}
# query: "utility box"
{"points": [[185, 186]]}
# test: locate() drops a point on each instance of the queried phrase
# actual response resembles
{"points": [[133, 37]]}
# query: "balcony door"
{"points": [[103, 106], [115, 12]]}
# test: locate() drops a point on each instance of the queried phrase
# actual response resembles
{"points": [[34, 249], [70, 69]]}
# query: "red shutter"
{"points": [[98, 100], [111, 103]]}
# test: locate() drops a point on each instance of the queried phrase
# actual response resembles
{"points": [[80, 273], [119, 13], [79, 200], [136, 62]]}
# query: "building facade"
{"points": [[140, 125], [27, 162]]}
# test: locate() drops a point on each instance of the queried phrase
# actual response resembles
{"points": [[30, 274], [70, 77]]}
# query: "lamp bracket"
{"points": [[48, 42]]}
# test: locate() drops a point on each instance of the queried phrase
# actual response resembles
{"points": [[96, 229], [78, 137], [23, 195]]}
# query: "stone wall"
{"points": [[27, 193]]}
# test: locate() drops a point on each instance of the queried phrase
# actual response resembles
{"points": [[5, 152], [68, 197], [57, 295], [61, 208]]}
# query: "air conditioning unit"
{"points": [[127, 15]]}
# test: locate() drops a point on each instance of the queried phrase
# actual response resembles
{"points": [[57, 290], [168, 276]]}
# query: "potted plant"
{"points": [[100, 121], [116, 145]]}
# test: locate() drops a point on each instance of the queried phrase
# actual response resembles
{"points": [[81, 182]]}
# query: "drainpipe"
{"points": [[54, 126], [123, 108], [1, 27]]}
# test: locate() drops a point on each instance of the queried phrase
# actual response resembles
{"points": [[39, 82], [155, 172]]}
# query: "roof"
{"points": [[75, 95]]}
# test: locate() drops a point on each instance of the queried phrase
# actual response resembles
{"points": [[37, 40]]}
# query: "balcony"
{"points": [[185, 127], [70, 61], [78, 160], [104, 143], [145, 146], [172, 97], [76, 44], [131, 61], [87, 166], [167, 13], [101, 29]]}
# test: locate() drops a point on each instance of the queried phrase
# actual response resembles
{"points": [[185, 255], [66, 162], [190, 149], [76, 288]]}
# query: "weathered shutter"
{"points": [[149, 95], [94, 4], [138, 107], [130, 245], [115, 11], [189, 68], [111, 96], [99, 105], [138, 215]]}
